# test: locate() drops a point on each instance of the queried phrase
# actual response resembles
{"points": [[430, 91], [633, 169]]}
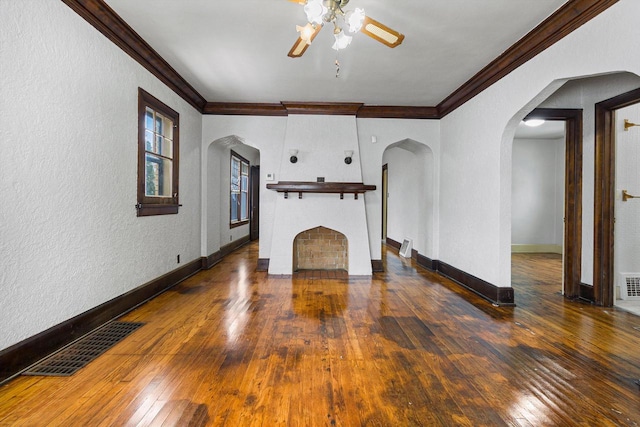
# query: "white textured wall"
{"points": [[537, 192], [476, 145], [627, 227], [69, 236]]}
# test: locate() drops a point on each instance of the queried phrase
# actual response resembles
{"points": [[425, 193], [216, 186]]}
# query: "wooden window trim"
{"points": [[234, 224], [148, 206]]}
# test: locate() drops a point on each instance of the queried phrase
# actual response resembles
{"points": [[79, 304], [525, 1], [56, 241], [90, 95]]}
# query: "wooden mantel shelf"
{"points": [[300, 187]]}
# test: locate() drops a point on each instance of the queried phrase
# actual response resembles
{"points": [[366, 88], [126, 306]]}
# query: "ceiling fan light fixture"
{"points": [[315, 11], [306, 33], [342, 40], [320, 12], [354, 19]]}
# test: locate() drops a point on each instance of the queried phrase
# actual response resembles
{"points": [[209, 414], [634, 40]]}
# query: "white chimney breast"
{"points": [[321, 142]]}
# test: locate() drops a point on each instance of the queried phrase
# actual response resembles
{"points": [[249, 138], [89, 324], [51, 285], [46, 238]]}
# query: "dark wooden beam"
{"points": [[326, 108], [244, 109], [397, 112]]}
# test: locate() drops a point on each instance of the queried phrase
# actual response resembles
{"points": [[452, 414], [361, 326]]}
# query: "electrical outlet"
{"points": [[178, 258], [231, 238]]}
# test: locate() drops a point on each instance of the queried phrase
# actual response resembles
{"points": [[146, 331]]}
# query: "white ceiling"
{"points": [[236, 51]]}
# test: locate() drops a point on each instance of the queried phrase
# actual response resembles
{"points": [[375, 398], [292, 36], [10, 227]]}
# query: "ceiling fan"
{"points": [[320, 12]]}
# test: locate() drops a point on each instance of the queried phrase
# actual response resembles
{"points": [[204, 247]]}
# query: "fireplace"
{"points": [[320, 248], [319, 193]]}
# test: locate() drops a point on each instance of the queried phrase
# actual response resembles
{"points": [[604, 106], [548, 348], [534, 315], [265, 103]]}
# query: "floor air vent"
{"points": [[631, 288], [77, 355]]}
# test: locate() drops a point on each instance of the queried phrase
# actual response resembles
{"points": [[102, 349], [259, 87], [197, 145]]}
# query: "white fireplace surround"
{"points": [[321, 142]]}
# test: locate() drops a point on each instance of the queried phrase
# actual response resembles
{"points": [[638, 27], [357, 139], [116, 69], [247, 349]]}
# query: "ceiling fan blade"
{"points": [[381, 32], [301, 45], [298, 48]]}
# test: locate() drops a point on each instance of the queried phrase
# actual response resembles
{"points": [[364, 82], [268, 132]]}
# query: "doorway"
{"points": [[572, 203], [604, 276], [537, 204]]}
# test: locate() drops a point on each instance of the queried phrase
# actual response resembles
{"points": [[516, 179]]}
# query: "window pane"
{"points": [[148, 121], [234, 207], [162, 146], [235, 175], [243, 206], [245, 168], [158, 176], [245, 183], [148, 140], [164, 126]]}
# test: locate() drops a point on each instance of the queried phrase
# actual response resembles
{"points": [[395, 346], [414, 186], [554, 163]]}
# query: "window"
{"points": [[239, 190], [158, 145]]}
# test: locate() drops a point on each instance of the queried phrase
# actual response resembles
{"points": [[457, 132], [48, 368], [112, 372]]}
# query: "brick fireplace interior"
{"points": [[320, 248]]}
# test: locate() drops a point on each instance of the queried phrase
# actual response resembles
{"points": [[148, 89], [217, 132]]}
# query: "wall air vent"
{"points": [[405, 249], [630, 289]]}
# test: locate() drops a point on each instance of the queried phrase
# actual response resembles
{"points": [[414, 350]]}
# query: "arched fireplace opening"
{"points": [[320, 248]]}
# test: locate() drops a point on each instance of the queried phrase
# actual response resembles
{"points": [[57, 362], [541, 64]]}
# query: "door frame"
{"points": [[254, 203], [572, 248], [385, 200], [604, 195]]}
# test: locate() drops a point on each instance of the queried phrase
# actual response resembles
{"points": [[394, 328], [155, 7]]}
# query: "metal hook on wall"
{"points": [[628, 124]]}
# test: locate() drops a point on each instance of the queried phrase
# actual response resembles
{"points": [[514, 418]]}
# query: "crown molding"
{"points": [[109, 23], [242, 109], [397, 112], [324, 108], [568, 18], [571, 16]]}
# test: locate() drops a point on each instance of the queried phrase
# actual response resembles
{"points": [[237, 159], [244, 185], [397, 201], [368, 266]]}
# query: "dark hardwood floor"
{"points": [[232, 346]]}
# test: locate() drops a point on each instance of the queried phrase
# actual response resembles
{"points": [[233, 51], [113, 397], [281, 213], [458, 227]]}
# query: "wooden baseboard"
{"points": [[497, 295], [586, 292], [20, 356], [211, 260], [376, 265], [427, 263], [393, 243], [216, 257], [228, 248]]}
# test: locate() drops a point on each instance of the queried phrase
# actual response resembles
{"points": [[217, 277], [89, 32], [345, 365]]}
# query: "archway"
{"points": [[220, 234], [580, 93], [411, 196]]}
